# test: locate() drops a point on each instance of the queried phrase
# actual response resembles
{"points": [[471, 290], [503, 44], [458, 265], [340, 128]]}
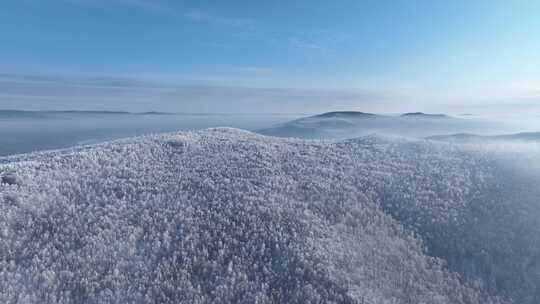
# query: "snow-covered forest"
{"points": [[228, 216]]}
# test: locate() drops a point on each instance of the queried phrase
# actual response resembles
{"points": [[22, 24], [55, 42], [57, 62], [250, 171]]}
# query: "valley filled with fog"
{"points": [[28, 131]]}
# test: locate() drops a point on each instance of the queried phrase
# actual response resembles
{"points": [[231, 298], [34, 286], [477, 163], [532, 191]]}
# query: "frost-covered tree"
{"points": [[227, 216]]}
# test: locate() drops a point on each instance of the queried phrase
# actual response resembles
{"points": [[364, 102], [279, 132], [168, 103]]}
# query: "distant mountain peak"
{"points": [[349, 114], [422, 114], [154, 113]]}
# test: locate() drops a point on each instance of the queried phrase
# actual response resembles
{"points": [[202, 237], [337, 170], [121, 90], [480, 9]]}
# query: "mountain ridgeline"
{"points": [[350, 124], [46, 114]]}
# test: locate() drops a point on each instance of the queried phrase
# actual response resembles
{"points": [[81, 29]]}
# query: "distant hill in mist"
{"points": [[471, 138], [44, 114], [350, 124]]}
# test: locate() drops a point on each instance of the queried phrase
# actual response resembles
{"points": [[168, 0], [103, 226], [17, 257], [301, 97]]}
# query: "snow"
{"points": [[9, 178], [228, 216]]}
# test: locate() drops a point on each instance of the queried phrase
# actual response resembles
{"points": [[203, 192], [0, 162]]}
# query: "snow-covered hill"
{"points": [[228, 216]]}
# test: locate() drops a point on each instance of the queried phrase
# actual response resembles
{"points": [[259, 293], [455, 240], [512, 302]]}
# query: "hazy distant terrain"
{"points": [[350, 124], [230, 216], [27, 131], [65, 114], [473, 138]]}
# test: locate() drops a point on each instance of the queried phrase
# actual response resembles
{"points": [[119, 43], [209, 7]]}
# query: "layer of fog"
{"points": [[23, 132]]}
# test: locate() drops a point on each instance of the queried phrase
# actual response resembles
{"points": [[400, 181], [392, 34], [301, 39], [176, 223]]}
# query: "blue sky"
{"points": [[270, 56]]}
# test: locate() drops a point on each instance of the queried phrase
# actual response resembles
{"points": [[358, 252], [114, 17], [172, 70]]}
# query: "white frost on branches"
{"points": [[227, 216]]}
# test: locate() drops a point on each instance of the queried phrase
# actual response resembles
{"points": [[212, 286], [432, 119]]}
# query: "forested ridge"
{"points": [[228, 216]]}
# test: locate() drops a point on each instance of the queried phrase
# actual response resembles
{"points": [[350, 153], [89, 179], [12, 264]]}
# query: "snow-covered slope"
{"points": [[228, 216]]}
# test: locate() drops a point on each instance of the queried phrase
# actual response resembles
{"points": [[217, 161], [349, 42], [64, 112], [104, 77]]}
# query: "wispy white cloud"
{"points": [[123, 93], [157, 6], [310, 46], [41, 80], [218, 20], [147, 5], [255, 71], [167, 8]]}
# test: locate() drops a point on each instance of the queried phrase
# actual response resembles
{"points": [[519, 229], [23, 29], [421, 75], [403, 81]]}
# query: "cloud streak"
{"points": [[50, 92], [146, 5], [164, 8], [215, 20]]}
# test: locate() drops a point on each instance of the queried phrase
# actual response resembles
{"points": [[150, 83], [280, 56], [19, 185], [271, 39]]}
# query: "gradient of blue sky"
{"points": [[205, 55]]}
